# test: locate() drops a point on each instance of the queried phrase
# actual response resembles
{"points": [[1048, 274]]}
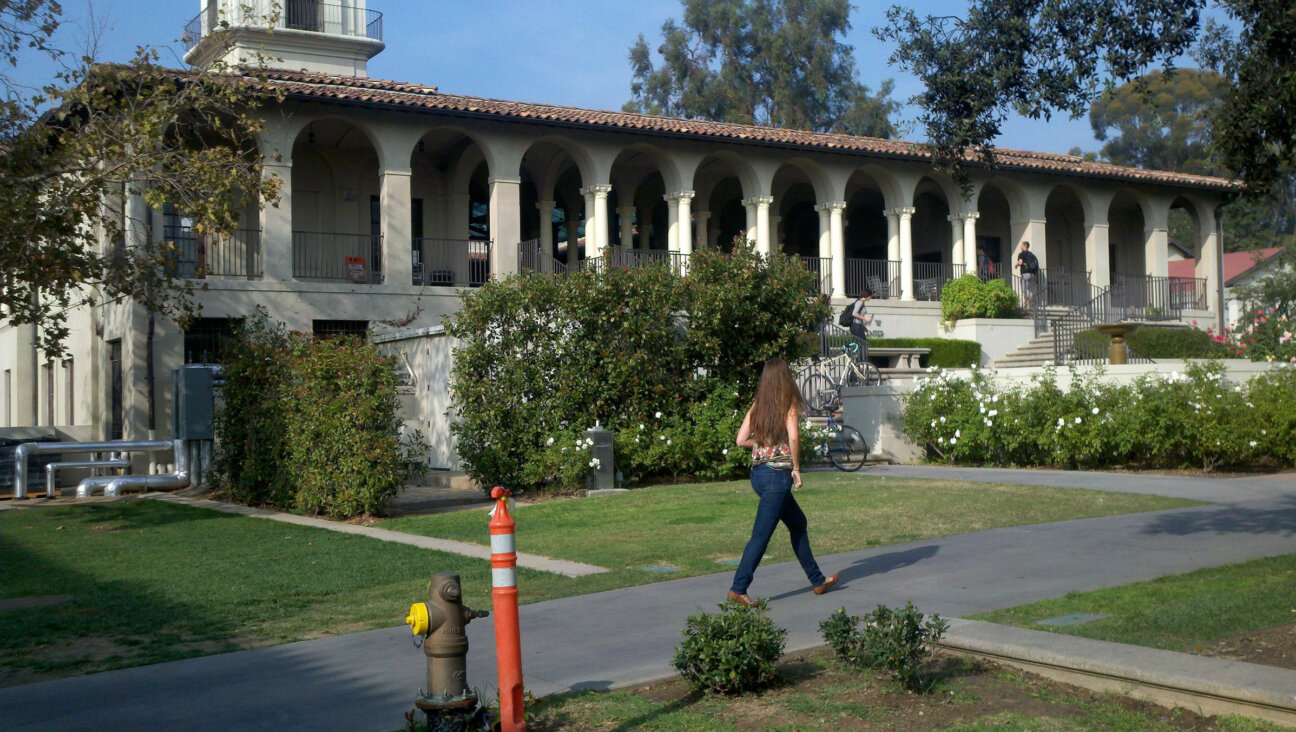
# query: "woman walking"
{"points": [[771, 430]]}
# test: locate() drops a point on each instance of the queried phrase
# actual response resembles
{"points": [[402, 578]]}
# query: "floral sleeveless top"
{"points": [[778, 457]]}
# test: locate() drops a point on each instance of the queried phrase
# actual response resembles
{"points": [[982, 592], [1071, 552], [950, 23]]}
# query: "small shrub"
{"points": [[1155, 341], [970, 297], [730, 652], [896, 640]]}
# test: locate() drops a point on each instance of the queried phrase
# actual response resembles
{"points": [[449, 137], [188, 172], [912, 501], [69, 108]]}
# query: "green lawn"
{"points": [[1177, 613], [153, 581], [694, 527]]}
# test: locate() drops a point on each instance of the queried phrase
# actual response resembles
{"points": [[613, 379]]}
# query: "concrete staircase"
{"points": [[1034, 353]]}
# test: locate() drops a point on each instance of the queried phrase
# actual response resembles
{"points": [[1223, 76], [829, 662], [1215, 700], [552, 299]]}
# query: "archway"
{"points": [[337, 224]]}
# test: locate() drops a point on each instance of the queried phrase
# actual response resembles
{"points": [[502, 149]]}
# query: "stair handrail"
{"points": [[1066, 327]]}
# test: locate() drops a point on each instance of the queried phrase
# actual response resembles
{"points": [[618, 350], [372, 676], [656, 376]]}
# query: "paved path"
{"points": [[365, 681]]}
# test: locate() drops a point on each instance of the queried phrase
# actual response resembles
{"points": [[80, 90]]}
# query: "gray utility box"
{"points": [[193, 409], [603, 474]]}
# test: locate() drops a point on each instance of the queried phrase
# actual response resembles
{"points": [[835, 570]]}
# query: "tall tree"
{"points": [[768, 62], [1162, 121], [75, 151], [1039, 57]]}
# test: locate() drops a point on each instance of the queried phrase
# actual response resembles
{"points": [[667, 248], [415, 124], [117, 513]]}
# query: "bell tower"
{"points": [[323, 36]]}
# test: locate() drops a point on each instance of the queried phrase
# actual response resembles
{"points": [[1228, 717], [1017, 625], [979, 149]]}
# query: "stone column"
{"points": [[1156, 251], [600, 219], [625, 222], [957, 250], [1210, 263], [546, 209], [394, 223], [505, 226], [825, 232], [702, 232], [277, 225], [1033, 231], [837, 246], [969, 239], [684, 218], [893, 234], [762, 205], [905, 215], [1098, 252], [590, 220], [750, 205], [672, 221]]}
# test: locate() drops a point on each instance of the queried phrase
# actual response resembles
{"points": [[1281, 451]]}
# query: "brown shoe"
{"points": [[827, 585], [742, 599]]}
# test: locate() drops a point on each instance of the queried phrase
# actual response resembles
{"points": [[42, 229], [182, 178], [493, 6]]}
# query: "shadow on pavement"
{"points": [[1277, 519], [879, 564]]}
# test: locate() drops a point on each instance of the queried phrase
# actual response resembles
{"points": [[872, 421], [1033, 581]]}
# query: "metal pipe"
{"points": [[170, 481], [23, 451], [52, 468]]}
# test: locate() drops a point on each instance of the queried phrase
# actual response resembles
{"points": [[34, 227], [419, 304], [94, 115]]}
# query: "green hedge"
{"points": [[971, 297], [947, 353], [1158, 341], [308, 425]]}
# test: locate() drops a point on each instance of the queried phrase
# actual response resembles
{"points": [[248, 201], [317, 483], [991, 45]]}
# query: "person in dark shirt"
{"points": [[1028, 265]]}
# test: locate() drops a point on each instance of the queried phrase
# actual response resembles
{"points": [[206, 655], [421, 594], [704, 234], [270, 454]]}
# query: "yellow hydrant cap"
{"points": [[418, 618]]}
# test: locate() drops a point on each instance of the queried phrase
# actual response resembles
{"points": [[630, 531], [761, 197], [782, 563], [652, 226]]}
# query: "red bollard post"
{"points": [[504, 596]]}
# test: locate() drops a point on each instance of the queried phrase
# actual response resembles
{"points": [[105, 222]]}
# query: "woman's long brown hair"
{"points": [[775, 397]]}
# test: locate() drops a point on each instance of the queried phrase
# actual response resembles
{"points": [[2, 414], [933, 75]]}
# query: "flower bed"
{"points": [[1160, 421]]}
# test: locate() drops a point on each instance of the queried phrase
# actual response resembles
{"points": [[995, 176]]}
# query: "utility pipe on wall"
{"points": [[27, 449], [50, 470], [169, 481]]}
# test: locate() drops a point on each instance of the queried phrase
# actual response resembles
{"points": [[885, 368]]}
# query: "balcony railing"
{"points": [[822, 269], [930, 278], [627, 258], [879, 276], [201, 256], [304, 15], [451, 262], [333, 257], [1157, 297]]}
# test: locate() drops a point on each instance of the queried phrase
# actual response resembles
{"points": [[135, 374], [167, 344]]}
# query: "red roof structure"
{"points": [[1236, 264]]}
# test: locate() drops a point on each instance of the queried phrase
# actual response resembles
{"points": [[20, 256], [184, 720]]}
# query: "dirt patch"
{"points": [[817, 693], [1270, 647]]}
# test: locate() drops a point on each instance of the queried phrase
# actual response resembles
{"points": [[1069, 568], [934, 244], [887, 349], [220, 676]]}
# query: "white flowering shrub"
{"points": [[1199, 419]]}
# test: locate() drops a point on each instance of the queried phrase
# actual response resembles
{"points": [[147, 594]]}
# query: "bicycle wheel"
{"points": [[846, 449], [819, 392]]}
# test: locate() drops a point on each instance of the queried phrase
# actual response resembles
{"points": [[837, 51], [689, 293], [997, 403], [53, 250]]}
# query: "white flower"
{"points": [[988, 423], [661, 437], [636, 438], [550, 442], [659, 415], [589, 441], [1061, 421], [1252, 443], [995, 398], [953, 441], [1077, 420], [668, 442], [942, 419], [933, 423], [993, 413], [1095, 410], [724, 451], [958, 433], [1264, 432], [641, 427]]}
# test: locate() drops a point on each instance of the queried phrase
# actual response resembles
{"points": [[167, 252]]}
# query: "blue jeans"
{"points": [[774, 487]]}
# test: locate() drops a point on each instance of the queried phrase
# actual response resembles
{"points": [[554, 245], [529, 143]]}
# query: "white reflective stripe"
{"points": [[503, 543], [504, 577]]}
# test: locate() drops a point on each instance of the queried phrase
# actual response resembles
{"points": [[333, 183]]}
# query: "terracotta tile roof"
{"points": [[1236, 264], [304, 85]]}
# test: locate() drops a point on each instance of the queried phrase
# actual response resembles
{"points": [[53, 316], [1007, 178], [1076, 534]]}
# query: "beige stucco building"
{"points": [[397, 197]]}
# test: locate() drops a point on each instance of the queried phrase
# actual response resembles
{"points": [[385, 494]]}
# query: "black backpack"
{"points": [[847, 316]]}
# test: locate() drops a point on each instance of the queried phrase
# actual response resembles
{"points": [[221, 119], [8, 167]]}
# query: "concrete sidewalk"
{"points": [[366, 681]]}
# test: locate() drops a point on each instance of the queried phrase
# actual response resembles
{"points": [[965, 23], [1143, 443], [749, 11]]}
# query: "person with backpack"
{"points": [[856, 317], [1028, 264]]}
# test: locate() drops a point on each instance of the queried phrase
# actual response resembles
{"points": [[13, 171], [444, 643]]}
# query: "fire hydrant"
{"points": [[441, 622]]}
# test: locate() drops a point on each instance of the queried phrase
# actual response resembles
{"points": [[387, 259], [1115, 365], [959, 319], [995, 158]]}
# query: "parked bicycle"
{"points": [[844, 447], [823, 392]]}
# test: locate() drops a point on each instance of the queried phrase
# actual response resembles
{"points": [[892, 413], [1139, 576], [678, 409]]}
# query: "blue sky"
{"points": [[570, 52]]}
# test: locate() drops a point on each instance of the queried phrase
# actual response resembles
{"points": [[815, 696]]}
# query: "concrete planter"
{"points": [[997, 336]]}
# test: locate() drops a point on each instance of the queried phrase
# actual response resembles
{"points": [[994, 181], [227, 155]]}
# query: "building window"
{"points": [[205, 339], [69, 390], [117, 407], [340, 328]]}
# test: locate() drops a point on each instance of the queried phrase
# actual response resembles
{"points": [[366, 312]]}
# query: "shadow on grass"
{"points": [[1279, 519]]}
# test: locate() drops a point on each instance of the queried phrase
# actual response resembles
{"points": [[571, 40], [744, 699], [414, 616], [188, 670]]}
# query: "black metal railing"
{"points": [[329, 256], [821, 267], [1074, 338], [879, 276], [930, 278], [200, 256], [533, 258], [304, 15], [450, 262], [1160, 298], [627, 258]]}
